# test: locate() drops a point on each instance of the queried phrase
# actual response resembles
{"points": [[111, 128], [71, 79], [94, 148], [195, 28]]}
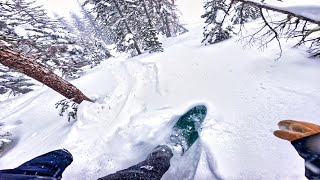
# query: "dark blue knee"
{"points": [[51, 164]]}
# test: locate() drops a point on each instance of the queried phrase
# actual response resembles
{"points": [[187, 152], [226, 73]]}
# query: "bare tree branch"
{"points": [[268, 7], [290, 26]]}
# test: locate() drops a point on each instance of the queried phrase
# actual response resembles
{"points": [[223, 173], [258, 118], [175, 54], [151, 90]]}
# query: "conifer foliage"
{"points": [[216, 29], [134, 25], [13, 83], [245, 13], [152, 41], [150, 34], [221, 15], [5, 139], [26, 28]]}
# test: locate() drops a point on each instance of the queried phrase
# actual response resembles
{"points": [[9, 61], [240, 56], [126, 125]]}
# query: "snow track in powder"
{"points": [[8, 107], [119, 121]]}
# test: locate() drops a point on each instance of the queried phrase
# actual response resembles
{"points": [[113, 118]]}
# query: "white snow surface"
{"points": [[138, 100]]}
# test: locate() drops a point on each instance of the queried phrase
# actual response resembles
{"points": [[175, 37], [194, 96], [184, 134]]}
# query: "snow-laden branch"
{"points": [[307, 13]]}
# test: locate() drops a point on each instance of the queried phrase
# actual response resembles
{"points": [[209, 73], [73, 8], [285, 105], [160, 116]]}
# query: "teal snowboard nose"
{"points": [[186, 130]]}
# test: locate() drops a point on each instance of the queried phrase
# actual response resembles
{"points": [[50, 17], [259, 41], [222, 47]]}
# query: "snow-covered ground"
{"points": [[138, 100]]}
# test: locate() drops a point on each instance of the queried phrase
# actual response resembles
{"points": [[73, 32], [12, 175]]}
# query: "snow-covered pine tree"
{"points": [[245, 13], [116, 17], [93, 49], [158, 17], [151, 40], [167, 17], [92, 25], [13, 83], [218, 20], [79, 24], [5, 139], [64, 23], [27, 28], [125, 22], [150, 34], [221, 15]]}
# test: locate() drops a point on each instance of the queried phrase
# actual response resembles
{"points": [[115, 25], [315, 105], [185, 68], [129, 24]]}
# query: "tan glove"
{"points": [[292, 130]]}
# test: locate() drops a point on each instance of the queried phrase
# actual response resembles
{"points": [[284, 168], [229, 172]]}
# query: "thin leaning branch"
{"points": [[291, 26], [276, 35], [283, 11]]}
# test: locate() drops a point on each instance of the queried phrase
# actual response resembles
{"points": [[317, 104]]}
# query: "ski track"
{"points": [[125, 105], [10, 108]]}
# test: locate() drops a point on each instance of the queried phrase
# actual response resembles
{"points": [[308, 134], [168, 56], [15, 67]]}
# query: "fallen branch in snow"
{"points": [[276, 34], [40, 73], [279, 9]]}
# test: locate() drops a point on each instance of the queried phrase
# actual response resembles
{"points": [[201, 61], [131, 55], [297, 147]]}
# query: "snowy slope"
{"points": [[138, 100]]}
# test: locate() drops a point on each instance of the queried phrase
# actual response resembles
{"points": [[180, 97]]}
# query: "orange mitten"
{"points": [[292, 130]]}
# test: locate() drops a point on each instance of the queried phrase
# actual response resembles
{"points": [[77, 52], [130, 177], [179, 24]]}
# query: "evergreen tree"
{"points": [[118, 23], [151, 40], [92, 25], [94, 49], [13, 83], [220, 17], [150, 34], [64, 23], [5, 139], [26, 29], [170, 15], [245, 13], [218, 26], [166, 18], [79, 24], [135, 24]]}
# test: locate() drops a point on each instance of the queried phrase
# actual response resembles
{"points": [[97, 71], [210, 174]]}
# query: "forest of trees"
{"points": [[27, 34], [134, 25], [67, 48]]}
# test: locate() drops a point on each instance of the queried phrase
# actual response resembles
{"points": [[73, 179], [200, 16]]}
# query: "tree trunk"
{"points": [[147, 13], [165, 22], [38, 72], [167, 25]]}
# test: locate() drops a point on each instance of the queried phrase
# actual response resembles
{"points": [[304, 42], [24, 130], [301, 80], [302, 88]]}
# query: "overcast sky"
{"points": [[191, 9], [61, 7]]}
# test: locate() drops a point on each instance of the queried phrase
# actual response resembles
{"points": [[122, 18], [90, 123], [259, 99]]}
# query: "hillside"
{"points": [[247, 93]]}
